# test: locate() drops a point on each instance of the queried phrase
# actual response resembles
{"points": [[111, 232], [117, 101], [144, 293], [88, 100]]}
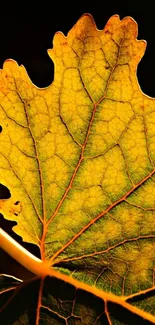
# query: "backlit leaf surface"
{"points": [[78, 158]]}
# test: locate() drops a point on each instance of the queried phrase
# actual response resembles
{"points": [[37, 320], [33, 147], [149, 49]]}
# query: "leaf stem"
{"points": [[22, 255]]}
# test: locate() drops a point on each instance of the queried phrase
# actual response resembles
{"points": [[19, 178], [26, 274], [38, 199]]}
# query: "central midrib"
{"points": [[84, 144]]}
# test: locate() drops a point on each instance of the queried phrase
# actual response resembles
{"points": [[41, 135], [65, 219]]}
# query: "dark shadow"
{"points": [[4, 192], [63, 302], [24, 301]]}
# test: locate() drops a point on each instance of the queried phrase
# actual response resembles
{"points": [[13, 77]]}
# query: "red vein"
{"points": [[104, 251], [7, 290], [75, 171], [34, 206], [137, 294], [101, 215], [40, 175], [13, 170], [39, 301], [107, 313], [55, 312], [140, 207]]}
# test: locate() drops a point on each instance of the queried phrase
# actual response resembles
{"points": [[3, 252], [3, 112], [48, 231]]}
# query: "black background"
{"points": [[26, 32]]}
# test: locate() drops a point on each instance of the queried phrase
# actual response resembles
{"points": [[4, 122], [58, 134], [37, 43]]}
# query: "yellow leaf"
{"points": [[79, 159]]}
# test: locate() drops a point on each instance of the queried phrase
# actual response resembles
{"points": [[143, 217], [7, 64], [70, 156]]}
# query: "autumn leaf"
{"points": [[78, 158]]}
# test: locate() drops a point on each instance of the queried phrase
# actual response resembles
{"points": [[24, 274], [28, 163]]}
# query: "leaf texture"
{"points": [[79, 160]]}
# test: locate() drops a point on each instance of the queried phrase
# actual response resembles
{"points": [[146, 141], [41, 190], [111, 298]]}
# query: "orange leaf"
{"points": [[78, 158]]}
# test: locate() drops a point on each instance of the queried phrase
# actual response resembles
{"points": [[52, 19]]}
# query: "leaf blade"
{"points": [[86, 193]]}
